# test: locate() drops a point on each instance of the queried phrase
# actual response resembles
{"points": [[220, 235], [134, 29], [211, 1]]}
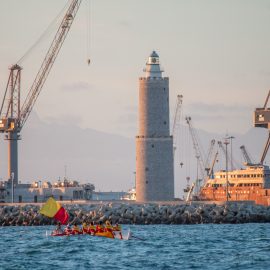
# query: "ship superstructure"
{"points": [[251, 183]]}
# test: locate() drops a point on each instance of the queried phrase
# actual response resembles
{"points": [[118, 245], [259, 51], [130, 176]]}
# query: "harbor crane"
{"points": [[211, 169], [13, 116], [246, 156], [176, 121], [261, 118], [209, 155], [196, 146]]}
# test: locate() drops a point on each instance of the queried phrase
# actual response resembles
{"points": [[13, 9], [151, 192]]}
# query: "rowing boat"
{"points": [[108, 234]]}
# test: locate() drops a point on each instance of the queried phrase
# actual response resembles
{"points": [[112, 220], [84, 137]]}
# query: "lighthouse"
{"points": [[154, 145]]}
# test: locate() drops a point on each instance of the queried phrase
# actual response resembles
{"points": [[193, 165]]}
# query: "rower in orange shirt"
{"points": [[92, 228], [76, 229], [108, 226], [100, 227], [84, 228]]}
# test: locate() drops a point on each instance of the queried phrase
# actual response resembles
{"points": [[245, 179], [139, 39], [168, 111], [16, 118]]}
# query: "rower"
{"points": [[68, 229], [84, 228], [118, 229], [100, 227], [58, 229], [108, 226], [75, 229], [92, 228]]}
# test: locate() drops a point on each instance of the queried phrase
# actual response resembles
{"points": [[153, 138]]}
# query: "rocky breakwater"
{"points": [[134, 213]]}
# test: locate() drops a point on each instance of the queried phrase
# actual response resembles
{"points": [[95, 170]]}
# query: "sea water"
{"points": [[243, 246]]}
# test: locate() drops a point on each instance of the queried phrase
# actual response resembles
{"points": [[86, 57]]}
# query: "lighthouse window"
{"points": [[146, 181], [165, 122], [164, 89], [146, 169], [153, 145]]}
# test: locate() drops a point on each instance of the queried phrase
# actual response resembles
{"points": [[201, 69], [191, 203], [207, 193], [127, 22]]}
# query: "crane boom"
{"points": [[246, 155], [266, 101], [211, 171], [265, 150], [13, 115], [209, 155], [196, 146], [176, 120], [48, 62]]}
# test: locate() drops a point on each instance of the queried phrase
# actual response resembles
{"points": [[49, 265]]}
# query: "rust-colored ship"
{"points": [[251, 183]]}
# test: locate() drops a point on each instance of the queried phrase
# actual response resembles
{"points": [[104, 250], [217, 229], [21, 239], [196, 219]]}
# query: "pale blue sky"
{"points": [[215, 53]]}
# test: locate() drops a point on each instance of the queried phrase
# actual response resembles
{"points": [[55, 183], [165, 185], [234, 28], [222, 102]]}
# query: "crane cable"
{"points": [[88, 31], [47, 31]]}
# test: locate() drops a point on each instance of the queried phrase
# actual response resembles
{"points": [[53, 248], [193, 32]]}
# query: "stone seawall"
{"points": [[134, 213]]}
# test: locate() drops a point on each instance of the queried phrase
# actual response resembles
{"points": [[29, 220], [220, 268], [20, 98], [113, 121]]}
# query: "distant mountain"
{"points": [[108, 160]]}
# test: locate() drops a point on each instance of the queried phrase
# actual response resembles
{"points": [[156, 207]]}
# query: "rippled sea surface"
{"points": [[245, 246]]}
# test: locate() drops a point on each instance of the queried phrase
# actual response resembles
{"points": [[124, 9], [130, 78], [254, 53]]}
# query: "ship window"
{"points": [[165, 122]]}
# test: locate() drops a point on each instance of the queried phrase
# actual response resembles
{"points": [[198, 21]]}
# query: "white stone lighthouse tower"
{"points": [[154, 145]]}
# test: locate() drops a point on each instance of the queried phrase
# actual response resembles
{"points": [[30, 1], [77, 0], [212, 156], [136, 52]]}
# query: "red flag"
{"points": [[62, 215], [53, 209]]}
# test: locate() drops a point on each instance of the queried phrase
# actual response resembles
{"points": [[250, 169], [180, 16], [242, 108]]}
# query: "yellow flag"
{"points": [[50, 208]]}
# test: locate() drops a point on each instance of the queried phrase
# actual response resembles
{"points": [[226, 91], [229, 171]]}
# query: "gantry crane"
{"points": [[13, 115], [262, 119], [176, 121]]}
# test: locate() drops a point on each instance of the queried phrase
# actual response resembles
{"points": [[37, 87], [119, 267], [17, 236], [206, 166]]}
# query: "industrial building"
{"points": [[40, 191], [154, 144]]}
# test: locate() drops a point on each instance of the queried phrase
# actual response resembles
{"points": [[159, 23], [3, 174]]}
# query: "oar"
{"points": [[136, 237]]}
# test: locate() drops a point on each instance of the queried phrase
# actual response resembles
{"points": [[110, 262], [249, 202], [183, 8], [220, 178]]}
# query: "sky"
{"points": [[214, 52]]}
